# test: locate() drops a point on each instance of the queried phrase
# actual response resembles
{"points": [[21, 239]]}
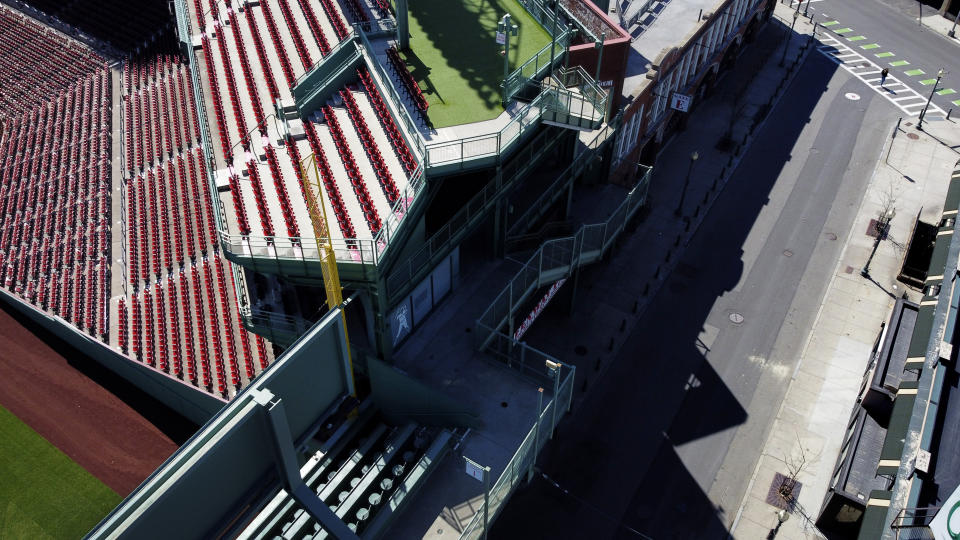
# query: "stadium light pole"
{"points": [[506, 28], [554, 369]]}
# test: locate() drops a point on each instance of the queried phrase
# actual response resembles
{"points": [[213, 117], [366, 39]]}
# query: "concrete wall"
{"points": [[191, 402]]}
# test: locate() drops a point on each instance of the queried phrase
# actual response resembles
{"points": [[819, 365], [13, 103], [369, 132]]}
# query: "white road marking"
{"points": [[865, 70]]}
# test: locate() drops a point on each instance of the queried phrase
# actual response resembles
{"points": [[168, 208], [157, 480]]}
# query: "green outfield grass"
{"points": [[43, 493], [455, 58]]}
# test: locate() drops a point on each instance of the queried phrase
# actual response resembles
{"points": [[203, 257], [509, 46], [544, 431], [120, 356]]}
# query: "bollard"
{"points": [[669, 253], [623, 325], [656, 273], [686, 227], [745, 135], [723, 171], [610, 346], [948, 113], [715, 181], [706, 198], [636, 304], [696, 211], [676, 242], [596, 367]]}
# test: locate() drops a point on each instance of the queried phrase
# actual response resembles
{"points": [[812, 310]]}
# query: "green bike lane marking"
{"points": [[946, 92], [831, 23], [843, 31], [914, 72], [899, 63], [870, 46], [857, 38], [928, 82], [885, 55]]}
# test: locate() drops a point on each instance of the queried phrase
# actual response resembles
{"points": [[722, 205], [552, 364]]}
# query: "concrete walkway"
{"points": [[812, 419]]}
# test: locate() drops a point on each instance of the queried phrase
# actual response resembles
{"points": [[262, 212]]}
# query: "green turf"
{"points": [[455, 58], [43, 493]]}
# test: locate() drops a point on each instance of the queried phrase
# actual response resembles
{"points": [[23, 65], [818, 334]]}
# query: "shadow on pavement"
{"points": [[621, 457]]}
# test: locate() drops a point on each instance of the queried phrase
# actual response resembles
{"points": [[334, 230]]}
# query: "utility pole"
{"points": [[683, 194], [505, 29]]}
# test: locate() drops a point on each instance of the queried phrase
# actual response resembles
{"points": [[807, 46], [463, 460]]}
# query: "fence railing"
{"points": [[556, 259], [393, 97], [407, 272], [532, 363], [558, 187], [537, 66]]}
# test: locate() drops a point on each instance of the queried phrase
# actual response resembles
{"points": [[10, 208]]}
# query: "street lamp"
{"points": [[883, 226], [929, 99], [554, 369], [786, 45], [683, 194]]}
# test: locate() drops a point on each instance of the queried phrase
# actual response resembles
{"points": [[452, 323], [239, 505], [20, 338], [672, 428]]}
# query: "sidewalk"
{"points": [[812, 419]]}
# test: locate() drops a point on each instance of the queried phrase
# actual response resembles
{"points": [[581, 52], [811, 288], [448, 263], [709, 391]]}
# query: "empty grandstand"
{"points": [[204, 186]]}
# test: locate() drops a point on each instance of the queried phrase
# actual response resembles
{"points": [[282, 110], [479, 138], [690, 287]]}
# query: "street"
{"points": [[666, 440]]}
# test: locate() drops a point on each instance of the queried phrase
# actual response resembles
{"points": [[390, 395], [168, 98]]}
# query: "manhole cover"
{"points": [[852, 96], [787, 253], [580, 350], [831, 236], [736, 318], [912, 136]]}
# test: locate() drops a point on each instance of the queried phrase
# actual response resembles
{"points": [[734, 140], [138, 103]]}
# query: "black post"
{"points": [[683, 194], [786, 45], [929, 99]]}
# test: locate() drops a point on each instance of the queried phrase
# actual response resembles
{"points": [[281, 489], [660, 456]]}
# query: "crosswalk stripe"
{"points": [[897, 92]]}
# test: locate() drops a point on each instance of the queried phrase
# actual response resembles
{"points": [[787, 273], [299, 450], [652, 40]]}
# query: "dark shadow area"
{"points": [[169, 422], [944, 474], [618, 456], [126, 25]]}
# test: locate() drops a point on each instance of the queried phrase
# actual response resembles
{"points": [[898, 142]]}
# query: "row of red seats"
{"points": [[174, 316], [333, 15], [356, 10], [262, 56], [370, 145], [386, 120], [326, 176], [315, 28], [294, 31], [215, 96], [54, 248], [222, 281], [399, 67], [261, 199], [217, 301], [278, 45], [329, 183], [238, 205], [353, 173], [238, 115], [285, 207], [248, 77], [37, 65]]}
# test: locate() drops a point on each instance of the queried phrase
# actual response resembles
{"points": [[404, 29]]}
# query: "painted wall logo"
{"points": [[539, 308], [401, 322]]}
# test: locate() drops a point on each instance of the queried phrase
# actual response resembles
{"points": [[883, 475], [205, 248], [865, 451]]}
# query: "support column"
{"points": [[945, 7], [403, 25]]}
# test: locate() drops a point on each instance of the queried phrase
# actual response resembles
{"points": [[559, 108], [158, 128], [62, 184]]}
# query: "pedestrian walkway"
{"points": [[893, 89], [807, 434]]}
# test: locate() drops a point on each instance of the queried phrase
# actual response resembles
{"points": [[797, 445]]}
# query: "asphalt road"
{"points": [[893, 25], [667, 439]]}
